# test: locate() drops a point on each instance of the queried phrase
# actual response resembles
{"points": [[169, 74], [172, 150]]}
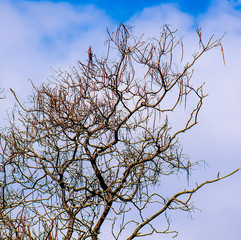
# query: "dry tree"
{"points": [[91, 144]]}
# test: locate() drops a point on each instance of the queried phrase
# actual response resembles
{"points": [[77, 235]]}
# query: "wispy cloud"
{"points": [[218, 136], [36, 36]]}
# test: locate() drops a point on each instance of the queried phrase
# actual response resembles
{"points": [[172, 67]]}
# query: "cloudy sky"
{"points": [[37, 36]]}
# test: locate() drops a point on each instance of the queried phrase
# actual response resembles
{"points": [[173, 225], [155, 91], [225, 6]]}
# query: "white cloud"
{"points": [[151, 19], [222, 82], [36, 36], [218, 136]]}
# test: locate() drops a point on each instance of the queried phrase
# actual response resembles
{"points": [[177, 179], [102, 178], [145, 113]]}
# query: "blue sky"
{"points": [[122, 10], [39, 35]]}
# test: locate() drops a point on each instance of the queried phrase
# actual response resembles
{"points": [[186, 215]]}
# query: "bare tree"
{"points": [[91, 144]]}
